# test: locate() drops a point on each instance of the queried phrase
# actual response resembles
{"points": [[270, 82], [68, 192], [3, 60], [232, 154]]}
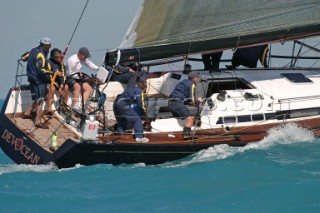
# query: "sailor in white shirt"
{"points": [[74, 64]]}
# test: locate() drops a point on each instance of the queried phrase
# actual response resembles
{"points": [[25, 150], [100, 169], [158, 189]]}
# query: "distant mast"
{"points": [[164, 29]]}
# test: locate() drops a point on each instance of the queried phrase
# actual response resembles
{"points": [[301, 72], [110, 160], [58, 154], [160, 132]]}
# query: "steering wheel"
{"points": [[95, 101], [81, 76]]}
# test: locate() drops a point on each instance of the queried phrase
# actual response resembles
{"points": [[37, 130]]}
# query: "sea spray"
{"points": [[12, 168], [284, 134]]}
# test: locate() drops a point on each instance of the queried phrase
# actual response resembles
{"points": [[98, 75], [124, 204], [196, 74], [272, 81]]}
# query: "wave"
{"points": [[11, 168], [286, 134]]}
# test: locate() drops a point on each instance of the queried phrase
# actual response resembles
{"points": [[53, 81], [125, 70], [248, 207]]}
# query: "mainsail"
{"points": [[169, 28]]}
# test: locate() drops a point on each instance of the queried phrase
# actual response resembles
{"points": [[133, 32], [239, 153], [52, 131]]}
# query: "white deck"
{"points": [[275, 93]]}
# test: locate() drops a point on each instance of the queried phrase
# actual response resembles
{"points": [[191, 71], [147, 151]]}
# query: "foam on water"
{"points": [[10, 168], [136, 165], [286, 134], [77, 166]]}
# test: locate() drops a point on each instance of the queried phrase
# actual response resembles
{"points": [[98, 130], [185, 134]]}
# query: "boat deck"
{"points": [[43, 136]]}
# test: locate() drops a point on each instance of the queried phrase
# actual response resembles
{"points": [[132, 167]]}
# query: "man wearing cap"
{"points": [[74, 64], [38, 75], [184, 93]]}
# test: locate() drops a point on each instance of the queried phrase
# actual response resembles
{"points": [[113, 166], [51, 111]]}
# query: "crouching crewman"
{"points": [[184, 93], [125, 114]]}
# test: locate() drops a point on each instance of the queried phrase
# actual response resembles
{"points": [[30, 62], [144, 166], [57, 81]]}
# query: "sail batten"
{"points": [[193, 26]]}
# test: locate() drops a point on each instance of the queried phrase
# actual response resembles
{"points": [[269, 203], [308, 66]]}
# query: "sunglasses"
{"points": [[58, 56]]}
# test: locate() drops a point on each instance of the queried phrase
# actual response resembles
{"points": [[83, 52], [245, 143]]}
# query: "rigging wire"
{"points": [[306, 51], [75, 29], [315, 63], [65, 51]]}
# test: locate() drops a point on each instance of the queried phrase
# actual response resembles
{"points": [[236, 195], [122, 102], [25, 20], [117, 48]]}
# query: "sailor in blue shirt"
{"points": [[38, 76], [37, 68], [125, 114], [128, 74], [58, 78], [184, 93], [249, 56]]}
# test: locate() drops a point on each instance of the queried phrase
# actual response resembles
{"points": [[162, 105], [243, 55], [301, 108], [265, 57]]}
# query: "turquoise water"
{"points": [[278, 174]]}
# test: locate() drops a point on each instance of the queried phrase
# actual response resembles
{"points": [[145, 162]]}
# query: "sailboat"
{"points": [[241, 104]]}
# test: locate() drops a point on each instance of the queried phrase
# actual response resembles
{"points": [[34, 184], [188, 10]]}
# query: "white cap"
{"points": [[45, 40]]}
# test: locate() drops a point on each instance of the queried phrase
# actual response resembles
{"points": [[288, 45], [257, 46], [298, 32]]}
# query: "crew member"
{"points": [[74, 64], [128, 73], [125, 114], [184, 93], [38, 76], [58, 79], [211, 61], [249, 56]]}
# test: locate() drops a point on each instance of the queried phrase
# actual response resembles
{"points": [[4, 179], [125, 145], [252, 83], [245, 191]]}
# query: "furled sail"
{"points": [[168, 28]]}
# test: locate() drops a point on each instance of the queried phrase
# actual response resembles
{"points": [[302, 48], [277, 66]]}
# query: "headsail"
{"points": [[163, 29]]}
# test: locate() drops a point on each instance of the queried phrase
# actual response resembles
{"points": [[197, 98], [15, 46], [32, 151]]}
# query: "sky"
{"points": [[23, 23], [102, 27]]}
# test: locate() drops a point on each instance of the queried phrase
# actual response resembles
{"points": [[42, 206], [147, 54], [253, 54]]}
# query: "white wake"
{"points": [[10, 168], [286, 134]]}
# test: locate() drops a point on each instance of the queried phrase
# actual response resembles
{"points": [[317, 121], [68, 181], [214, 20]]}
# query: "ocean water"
{"points": [[278, 174]]}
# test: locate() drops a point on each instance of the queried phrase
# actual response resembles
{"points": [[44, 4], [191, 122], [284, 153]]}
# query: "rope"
{"points": [[285, 37], [138, 54], [78, 22], [237, 44]]}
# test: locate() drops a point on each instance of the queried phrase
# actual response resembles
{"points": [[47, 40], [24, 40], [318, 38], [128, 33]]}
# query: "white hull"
{"points": [[272, 96]]}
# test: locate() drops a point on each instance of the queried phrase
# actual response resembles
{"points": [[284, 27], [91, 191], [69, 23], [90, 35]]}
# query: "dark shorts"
{"points": [[38, 91], [71, 82], [178, 109]]}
